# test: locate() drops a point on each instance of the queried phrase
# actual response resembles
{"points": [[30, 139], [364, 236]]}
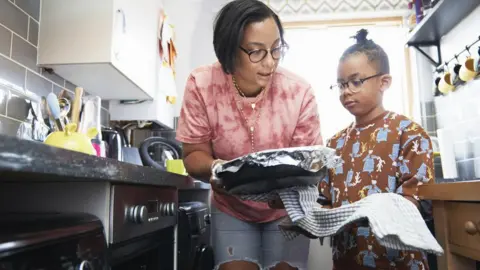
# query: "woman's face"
{"points": [[258, 35]]}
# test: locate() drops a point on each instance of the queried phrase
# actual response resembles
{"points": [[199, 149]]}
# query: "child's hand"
{"points": [[276, 203]]}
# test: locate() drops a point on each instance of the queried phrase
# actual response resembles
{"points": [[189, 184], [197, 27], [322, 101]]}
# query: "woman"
{"points": [[245, 104]]}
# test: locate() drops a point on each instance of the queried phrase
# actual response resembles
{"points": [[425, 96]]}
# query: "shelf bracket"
{"points": [[419, 46]]}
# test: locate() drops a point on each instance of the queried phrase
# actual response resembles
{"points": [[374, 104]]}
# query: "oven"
{"points": [[139, 221], [52, 241]]}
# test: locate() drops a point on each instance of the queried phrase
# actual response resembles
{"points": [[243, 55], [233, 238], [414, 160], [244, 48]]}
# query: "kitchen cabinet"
{"points": [[457, 223], [109, 47]]}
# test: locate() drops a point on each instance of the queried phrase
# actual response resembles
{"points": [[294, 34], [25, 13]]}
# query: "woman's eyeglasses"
{"points": [[256, 56], [353, 85]]}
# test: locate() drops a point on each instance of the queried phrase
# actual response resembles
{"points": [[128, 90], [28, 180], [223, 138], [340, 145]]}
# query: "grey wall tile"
{"points": [[431, 124], [32, 7], [5, 41], [38, 85], [70, 86], [20, 86], [106, 104], [8, 126], [18, 106], [13, 18], [104, 118], [466, 170], [33, 32], [49, 74], [24, 53], [12, 73], [3, 100], [430, 108]]}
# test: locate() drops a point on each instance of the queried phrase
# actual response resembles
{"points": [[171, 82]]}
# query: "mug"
{"points": [[445, 85], [467, 71], [176, 166]]}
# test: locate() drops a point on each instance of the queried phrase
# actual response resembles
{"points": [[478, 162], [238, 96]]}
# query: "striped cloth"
{"points": [[394, 220]]}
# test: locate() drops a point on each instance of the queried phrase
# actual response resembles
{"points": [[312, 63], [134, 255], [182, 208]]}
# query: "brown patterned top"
{"points": [[390, 154]]}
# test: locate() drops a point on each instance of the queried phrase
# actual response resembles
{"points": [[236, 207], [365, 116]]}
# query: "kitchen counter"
{"points": [[457, 223], [22, 160]]}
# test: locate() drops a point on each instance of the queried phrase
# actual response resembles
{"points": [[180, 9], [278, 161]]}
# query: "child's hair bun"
{"points": [[361, 36]]}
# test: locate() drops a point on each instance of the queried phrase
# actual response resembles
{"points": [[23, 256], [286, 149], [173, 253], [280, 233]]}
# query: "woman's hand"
{"points": [[215, 182]]}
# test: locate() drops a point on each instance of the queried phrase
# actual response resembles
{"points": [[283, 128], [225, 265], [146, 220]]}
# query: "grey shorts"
{"points": [[264, 244]]}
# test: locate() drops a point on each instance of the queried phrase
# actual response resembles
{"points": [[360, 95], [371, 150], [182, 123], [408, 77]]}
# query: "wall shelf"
{"points": [[439, 21]]}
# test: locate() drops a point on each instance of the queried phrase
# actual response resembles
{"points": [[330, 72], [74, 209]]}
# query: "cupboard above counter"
{"points": [[109, 47]]}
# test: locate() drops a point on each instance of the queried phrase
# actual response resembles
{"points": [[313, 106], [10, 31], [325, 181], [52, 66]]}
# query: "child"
{"points": [[381, 152]]}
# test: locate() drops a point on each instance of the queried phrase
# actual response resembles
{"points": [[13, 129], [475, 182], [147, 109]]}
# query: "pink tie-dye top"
{"points": [[288, 117]]}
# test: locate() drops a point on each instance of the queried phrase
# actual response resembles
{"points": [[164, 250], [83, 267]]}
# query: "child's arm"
{"points": [[415, 164]]}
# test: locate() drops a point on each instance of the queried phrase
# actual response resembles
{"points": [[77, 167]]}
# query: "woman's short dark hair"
{"points": [[229, 28], [373, 51]]}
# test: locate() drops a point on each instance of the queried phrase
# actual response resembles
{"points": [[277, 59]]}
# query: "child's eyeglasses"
{"points": [[256, 56], [353, 85]]}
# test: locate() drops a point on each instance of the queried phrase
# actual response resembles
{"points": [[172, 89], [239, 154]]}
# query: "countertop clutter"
{"points": [[22, 160]]}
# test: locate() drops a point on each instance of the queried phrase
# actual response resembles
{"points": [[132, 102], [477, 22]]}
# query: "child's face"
{"points": [[364, 98]]}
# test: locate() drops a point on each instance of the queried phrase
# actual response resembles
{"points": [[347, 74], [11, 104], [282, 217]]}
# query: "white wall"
{"points": [[464, 33], [193, 21]]}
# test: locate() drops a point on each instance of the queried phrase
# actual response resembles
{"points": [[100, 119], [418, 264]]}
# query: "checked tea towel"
{"points": [[395, 221]]}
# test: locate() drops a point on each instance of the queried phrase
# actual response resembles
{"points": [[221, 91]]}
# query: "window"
{"points": [[314, 55]]}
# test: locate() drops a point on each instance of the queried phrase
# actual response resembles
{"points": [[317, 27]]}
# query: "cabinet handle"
{"points": [[471, 228], [124, 31], [124, 20]]}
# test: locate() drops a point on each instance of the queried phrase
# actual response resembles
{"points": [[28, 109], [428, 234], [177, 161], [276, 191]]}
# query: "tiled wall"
{"points": [[21, 81], [457, 113]]}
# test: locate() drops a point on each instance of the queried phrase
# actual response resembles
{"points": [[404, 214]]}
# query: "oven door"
{"points": [[154, 251]]}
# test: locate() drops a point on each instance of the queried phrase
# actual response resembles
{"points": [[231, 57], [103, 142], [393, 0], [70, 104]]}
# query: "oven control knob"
{"points": [[168, 209], [138, 213]]}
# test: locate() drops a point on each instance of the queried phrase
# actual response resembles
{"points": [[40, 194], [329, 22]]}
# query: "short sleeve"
{"points": [[307, 130], [415, 162], [193, 125], [415, 165]]}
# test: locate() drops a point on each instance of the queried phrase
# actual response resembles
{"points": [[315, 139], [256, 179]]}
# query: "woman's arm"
{"points": [[198, 159], [195, 132]]}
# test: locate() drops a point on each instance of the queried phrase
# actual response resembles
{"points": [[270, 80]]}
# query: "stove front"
{"points": [[143, 224]]}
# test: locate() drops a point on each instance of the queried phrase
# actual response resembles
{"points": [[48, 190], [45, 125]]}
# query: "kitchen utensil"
{"points": [[64, 109], [54, 108], [72, 140], [467, 71], [91, 114], [130, 154], [114, 143], [270, 165], [267, 185], [446, 84], [156, 151], [77, 106], [176, 166]]}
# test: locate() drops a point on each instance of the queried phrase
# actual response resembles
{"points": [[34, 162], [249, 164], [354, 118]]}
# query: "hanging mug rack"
{"points": [[444, 66], [449, 79]]}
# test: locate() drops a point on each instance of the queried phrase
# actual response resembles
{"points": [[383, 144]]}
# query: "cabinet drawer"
{"points": [[464, 224]]}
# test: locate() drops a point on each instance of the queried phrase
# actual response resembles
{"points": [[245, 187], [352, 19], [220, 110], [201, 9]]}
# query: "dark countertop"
{"points": [[23, 160]]}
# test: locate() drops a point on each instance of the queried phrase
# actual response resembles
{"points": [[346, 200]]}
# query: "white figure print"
{"points": [[415, 147], [357, 179], [380, 164], [337, 194]]}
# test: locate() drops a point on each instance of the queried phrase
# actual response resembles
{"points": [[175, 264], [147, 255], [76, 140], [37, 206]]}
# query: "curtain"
{"points": [[314, 55]]}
